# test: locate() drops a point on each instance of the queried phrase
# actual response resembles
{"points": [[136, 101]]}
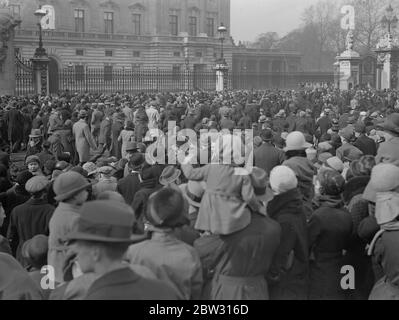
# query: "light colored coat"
{"points": [[172, 261], [60, 226], [153, 118], [83, 140], [223, 208]]}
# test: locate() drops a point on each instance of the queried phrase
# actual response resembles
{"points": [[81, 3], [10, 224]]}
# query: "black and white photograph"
{"points": [[199, 155]]}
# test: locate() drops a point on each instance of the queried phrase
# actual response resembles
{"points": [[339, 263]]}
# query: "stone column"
{"points": [[349, 65], [7, 52], [388, 61]]}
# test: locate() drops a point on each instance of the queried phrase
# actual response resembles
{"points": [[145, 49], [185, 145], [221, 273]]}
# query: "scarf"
{"points": [[138, 175]]}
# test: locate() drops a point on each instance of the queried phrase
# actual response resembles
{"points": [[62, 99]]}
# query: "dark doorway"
{"points": [[53, 76]]}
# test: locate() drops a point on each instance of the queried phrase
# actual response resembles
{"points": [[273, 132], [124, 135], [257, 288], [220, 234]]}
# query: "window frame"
{"points": [[109, 23], [192, 26], [137, 24], [77, 18], [174, 25], [210, 27]]}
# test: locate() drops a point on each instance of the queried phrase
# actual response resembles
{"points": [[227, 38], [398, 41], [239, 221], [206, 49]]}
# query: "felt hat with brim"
{"points": [[169, 175], [82, 113], [131, 146], [260, 182], [69, 184], [296, 141], [35, 133], [105, 221], [391, 123], [168, 218], [193, 191], [384, 178]]}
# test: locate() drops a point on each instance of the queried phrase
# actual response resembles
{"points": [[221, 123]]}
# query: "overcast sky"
{"points": [[250, 18]]}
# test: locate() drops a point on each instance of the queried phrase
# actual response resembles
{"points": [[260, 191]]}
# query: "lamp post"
{"points": [[39, 14], [222, 32], [389, 20], [40, 59], [221, 65]]}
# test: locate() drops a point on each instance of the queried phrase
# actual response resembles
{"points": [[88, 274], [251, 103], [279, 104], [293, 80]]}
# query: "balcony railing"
{"points": [[66, 35]]}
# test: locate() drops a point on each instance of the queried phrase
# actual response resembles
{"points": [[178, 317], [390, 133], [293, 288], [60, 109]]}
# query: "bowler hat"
{"points": [[36, 184], [69, 184], [169, 175], [105, 221], [82, 114], [260, 182], [131, 146], [35, 133]]}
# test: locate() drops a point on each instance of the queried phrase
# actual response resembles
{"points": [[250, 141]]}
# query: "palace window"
{"points": [[109, 53], [137, 24], [80, 52], [79, 20], [109, 22], [173, 22], [192, 26], [210, 27], [136, 54]]}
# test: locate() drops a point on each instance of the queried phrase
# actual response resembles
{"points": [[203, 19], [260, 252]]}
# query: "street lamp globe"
{"points": [[39, 14], [222, 30], [389, 13]]}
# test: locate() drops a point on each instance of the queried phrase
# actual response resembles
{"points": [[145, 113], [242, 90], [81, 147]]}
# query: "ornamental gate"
{"points": [[24, 76]]}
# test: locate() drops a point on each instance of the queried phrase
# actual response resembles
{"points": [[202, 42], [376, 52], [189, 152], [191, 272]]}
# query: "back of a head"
{"points": [[283, 179], [110, 196]]}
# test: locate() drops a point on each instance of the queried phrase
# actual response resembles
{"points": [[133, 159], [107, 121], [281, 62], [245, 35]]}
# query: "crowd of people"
{"points": [[89, 215]]}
